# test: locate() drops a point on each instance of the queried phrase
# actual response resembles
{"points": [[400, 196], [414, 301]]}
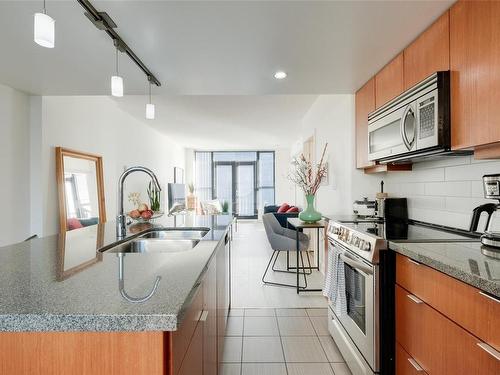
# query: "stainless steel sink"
{"points": [[143, 245], [176, 234]]}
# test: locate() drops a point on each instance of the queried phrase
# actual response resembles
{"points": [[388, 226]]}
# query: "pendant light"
{"points": [[44, 29], [150, 107], [117, 81]]}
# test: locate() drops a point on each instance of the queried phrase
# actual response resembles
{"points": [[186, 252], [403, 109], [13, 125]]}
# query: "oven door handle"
{"points": [[356, 264]]}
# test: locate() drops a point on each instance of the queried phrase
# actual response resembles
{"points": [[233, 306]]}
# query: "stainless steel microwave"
{"points": [[414, 124]]}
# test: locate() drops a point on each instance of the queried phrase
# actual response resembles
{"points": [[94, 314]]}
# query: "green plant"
{"points": [[191, 188], [154, 197], [225, 206]]}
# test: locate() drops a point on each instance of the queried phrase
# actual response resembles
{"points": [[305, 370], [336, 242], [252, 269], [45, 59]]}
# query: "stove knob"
{"points": [[361, 244], [367, 246]]}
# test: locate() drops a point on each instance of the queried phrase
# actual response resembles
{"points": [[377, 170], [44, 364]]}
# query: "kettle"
{"points": [[491, 186]]}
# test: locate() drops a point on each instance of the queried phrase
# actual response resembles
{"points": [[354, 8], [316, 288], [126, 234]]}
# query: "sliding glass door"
{"points": [[243, 179]]}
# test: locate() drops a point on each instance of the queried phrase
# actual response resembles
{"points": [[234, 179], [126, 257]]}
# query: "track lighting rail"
{"points": [[104, 22]]}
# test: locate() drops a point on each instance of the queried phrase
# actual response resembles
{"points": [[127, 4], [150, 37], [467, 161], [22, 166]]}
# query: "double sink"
{"points": [[162, 240]]}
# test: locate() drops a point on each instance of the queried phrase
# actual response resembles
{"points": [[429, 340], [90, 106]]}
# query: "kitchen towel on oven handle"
{"points": [[334, 288]]}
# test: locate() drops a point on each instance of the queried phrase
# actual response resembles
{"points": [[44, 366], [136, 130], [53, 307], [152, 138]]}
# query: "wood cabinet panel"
{"points": [[182, 337], [389, 81], [475, 73], [83, 353], [365, 103], [210, 364], [193, 361], [462, 303], [436, 343], [404, 363], [223, 292], [429, 53]]}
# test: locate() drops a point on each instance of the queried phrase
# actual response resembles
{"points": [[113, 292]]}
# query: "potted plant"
{"points": [[154, 197], [308, 178]]}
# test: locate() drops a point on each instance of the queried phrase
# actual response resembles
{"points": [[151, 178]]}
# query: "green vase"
{"points": [[310, 215]]}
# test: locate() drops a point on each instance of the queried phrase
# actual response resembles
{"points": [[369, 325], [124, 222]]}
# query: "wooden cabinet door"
{"points": [[405, 364], [365, 103], [429, 53], [437, 344], [475, 73], [389, 81], [193, 361], [210, 365], [223, 293]]}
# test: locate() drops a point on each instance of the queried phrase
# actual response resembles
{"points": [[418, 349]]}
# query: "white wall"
{"points": [[284, 190], [331, 119], [442, 191], [96, 125], [14, 165]]}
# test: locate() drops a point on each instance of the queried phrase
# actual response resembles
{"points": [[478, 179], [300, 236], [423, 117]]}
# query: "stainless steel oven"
{"points": [[359, 317], [416, 123]]}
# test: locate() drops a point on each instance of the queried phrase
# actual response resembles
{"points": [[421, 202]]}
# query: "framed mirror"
{"points": [[80, 188]]}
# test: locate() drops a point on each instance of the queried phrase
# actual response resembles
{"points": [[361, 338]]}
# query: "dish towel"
{"points": [[334, 288]]}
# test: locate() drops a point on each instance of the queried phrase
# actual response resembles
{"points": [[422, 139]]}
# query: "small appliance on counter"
{"points": [[364, 208], [380, 201], [491, 236]]}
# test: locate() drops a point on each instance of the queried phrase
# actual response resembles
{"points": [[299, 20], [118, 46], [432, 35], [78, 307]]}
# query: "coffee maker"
{"points": [[491, 236]]}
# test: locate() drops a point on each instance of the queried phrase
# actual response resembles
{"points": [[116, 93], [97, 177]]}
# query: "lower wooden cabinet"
{"points": [[429, 339]]}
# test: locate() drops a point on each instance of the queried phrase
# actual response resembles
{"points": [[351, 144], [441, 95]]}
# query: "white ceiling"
{"points": [[216, 59], [211, 47], [237, 122]]}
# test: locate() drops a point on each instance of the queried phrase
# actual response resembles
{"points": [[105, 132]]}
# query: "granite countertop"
{"points": [[60, 282], [464, 261]]}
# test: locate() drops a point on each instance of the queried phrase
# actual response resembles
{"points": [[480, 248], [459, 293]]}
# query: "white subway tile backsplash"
{"points": [[443, 191], [443, 162], [448, 189], [472, 172]]}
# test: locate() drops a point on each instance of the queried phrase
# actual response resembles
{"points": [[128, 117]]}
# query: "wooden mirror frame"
{"points": [[60, 154]]}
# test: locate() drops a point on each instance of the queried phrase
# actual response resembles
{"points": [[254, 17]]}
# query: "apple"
{"points": [[134, 214], [146, 215], [143, 207]]}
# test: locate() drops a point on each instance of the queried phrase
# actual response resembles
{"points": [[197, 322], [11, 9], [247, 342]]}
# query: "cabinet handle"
{"points": [[414, 262], [415, 365], [203, 316], [488, 349], [414, 298], [490, 297]]}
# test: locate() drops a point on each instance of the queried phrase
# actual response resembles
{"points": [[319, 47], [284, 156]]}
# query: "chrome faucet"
{"points": [[121, 220]]}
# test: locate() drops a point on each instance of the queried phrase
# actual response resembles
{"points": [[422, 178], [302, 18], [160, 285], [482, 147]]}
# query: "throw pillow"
{"points": [[74, 224], [283, 208], [292, 209]]}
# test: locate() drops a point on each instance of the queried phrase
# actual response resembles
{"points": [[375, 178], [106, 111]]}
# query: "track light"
{"points": [[44, 29], [150, 107], [116, 80]]}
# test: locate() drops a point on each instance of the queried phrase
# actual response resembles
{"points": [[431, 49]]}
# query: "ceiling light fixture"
{"points": [[280, 74], [116, 80], [150, 107], [44, 29]]}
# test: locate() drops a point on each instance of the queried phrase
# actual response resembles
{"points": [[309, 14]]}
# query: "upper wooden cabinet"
{"points": [[365, 103], [389, 81], [429, 53], [475, 73]]}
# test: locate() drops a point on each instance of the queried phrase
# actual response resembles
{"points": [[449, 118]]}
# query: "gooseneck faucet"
{"points": [[121, 220]]}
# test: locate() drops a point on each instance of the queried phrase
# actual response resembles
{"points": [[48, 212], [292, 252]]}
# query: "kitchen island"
{"points": [[67, 307]]}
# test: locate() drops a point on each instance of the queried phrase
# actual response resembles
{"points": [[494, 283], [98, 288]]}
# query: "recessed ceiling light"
{"points": [[280, 75]]}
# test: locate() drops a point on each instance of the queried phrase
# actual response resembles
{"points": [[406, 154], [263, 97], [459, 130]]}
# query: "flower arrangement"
{"points": [[307, 176], [154, 197]]}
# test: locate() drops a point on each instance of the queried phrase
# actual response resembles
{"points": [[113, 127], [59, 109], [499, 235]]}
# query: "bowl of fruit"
{"points": [[144, 214]]}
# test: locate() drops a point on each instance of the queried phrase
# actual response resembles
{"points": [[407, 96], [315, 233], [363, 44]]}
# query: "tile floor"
{"points": [[250, 254], [282, 341]]}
